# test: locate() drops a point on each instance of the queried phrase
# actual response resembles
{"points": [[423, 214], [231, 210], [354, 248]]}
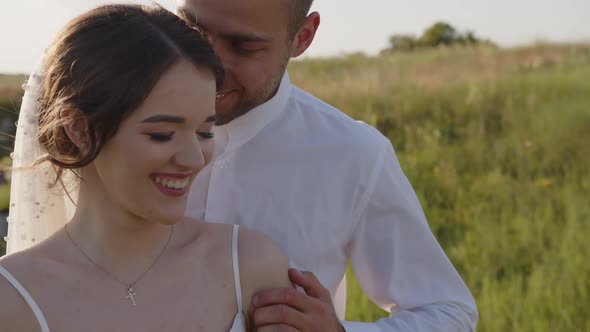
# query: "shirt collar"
{"points": [[245, 127]]}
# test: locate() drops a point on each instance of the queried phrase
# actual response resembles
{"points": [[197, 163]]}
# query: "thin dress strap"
{"points": [[23, 292], [236, 267]]}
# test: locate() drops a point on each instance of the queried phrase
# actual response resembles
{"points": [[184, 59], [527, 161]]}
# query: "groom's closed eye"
{"points": [[245, 48], [205, 135], [239, 42]]}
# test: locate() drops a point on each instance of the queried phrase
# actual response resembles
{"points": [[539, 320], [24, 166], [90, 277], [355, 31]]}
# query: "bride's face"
{"points": [[148, 166]]}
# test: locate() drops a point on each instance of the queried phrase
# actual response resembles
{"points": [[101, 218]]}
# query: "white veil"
{"points": [[36, 209]]}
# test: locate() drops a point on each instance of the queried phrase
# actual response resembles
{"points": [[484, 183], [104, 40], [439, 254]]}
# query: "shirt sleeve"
{"points": [[400, 265]]}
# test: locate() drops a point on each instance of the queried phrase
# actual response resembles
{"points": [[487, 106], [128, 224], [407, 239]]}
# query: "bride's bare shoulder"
{"points": [[35, 259], [29, 265], [15, 312], [40, 263], [263, 264], [259, 251], [261, 261], [27, 260]]}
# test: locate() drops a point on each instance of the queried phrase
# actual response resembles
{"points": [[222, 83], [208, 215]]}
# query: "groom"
{"points": [[326, 188]]}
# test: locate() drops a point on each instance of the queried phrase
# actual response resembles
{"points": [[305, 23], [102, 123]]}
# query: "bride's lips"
{"points": [[172, 184]]}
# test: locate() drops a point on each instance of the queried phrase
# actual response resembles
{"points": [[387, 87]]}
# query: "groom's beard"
{"points": [[259, 97]]}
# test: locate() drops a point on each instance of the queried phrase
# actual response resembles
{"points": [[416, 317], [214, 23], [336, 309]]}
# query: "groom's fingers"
{"points": [[276, 315], [285, 308], [277, 328], [282, 296], [308, 281]]}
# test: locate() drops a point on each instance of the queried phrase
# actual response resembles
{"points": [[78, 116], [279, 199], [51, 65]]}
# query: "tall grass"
{"points": [[497, 146]]}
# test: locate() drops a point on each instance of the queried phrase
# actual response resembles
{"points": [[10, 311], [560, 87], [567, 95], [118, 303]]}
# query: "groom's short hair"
{"points": [[299, 10]]}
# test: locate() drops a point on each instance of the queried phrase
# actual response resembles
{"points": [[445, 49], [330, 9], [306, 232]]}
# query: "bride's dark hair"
{"points": [[103, 65]]}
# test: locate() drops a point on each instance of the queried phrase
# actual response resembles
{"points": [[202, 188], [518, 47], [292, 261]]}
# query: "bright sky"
{"points": [[27, 26]]}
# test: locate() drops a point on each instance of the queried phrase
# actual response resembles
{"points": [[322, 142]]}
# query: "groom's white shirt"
{"points": [[328, 188]]}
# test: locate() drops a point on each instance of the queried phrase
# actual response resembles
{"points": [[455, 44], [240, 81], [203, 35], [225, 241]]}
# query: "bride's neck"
{"points": [[106, 231]]}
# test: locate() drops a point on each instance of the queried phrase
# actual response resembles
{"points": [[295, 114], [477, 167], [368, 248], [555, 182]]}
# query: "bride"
{"points": [[125, 115]]}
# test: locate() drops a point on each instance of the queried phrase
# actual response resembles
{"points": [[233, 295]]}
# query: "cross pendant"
{"points": [[131, 295]]}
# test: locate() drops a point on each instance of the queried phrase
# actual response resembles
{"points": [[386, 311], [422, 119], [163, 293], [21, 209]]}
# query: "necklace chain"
{"points": [[129, 286]]}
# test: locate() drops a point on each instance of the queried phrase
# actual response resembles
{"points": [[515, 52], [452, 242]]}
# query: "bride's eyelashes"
{"points": [[161, 137], [165, 137]]}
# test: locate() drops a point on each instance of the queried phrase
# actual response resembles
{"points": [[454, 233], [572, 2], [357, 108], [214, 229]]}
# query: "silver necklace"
{"points": [[129, 286]]}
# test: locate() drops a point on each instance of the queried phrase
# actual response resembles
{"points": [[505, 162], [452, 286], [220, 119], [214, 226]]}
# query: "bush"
{"points": [[439, 34]]}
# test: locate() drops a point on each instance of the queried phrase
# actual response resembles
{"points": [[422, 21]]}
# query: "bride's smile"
{"points": [[176, 182]]}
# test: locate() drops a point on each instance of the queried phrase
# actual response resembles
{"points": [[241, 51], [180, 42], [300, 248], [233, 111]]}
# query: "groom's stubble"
{"points": [[251, 78]]}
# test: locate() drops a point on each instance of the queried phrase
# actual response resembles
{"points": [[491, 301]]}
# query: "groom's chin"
{"points": [[226, 107]]}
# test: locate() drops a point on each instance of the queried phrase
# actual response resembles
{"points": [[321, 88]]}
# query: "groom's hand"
{"points": [[286, 309]]}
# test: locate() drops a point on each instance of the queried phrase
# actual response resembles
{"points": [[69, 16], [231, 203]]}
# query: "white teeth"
{"points": [[172, 183], [183, 183]]}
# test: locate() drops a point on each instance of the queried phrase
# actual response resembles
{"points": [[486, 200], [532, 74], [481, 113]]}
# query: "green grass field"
{"points": [[497, 145]]}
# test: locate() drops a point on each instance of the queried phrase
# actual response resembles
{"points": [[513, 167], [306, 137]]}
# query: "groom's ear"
{"points": [[76, 127], [304, 37]]}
